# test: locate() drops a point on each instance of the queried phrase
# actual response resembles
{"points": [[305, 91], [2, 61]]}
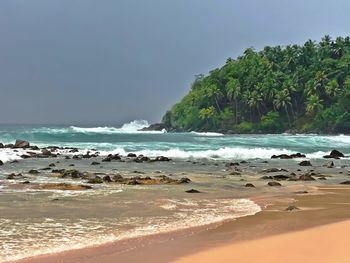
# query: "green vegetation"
{"points": [[301, 88]]}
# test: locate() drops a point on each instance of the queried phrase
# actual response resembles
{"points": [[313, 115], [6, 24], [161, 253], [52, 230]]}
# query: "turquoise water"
{"points": [[127, 139]]}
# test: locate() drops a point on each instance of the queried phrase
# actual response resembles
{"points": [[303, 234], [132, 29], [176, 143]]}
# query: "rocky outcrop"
{"points": [[250, 185], [192, 191], [286, 156], [155, 127], [335, 154], [273, 184], [305, 163], [21, 144]]}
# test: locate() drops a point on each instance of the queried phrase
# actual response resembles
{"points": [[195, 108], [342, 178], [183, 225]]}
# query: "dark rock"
{"points": [[107, 179], [25, 156], [1, 163], [67, 158], [96, 180], [231, 164], [155, 127], [74, 174], [286, 156], [292, 208], [141, 159], [335, 154], [131, 155], [329, 165], [273, 184], [249, 185], [243, 162], [184, 180], [45, 152], [1, 145], [235, 173], [274, 170], [301, 192], [34, 148], [118, 178], [26, 182], [21, 144], [280, 177], [14, 176], [345, 182], [265, 177], [162, 159], [192, 191], [133, 182], [306, 177], [95, 163], [33, 171], [52, 165], [77, 157], [46, 169], [305, 163]]}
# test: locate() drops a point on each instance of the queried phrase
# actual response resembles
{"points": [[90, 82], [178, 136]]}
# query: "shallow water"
{"points": [[35, 221]]}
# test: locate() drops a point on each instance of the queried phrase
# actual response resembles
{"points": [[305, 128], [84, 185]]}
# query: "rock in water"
{"points": [[249, 185], [154, 127], [21, 144], [329, 165], [193, 191], [346, 182], [1, 163], [335, 154], [273, 184], [306, 177], [292, 208], [305, 163]]}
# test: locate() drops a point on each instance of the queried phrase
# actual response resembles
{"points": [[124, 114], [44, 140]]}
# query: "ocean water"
{"points": [[34, 222], [193, 145]]}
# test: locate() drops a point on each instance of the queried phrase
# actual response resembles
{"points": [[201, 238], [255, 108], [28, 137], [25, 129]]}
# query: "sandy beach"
{"points": [[318, 232], [327, 243]]}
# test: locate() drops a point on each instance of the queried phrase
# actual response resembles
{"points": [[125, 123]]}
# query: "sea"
{"points": [[35, 222]]}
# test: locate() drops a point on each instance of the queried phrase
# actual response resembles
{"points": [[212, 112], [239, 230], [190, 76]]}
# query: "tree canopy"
{"points": [[302, 88]]}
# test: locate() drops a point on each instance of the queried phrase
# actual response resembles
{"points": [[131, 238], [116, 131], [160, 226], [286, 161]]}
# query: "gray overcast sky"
{"points": [[106, 62]]}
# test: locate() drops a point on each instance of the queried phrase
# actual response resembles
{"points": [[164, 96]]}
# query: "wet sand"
{"points": [[269, 228]]}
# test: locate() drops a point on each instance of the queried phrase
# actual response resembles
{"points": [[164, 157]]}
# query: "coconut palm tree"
{"points": [[233, 89], [282, 100], [313, 104]]}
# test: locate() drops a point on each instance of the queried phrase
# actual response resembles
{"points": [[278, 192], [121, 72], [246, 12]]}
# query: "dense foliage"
{"points": [[303, 88]]}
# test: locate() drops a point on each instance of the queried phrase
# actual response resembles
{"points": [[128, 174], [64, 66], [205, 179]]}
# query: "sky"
{"points": [[112, 61]]}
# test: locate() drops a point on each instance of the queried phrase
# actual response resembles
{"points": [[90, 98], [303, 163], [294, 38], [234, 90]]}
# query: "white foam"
{"points": [[8, 155], [224, 153], [209, 134], [63, 235], [131, 127]]}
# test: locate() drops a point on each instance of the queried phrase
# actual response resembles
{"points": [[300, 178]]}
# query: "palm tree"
{"points": [[233, 89], [313, 104], [213, 92], [255, 100], [332, 88], [282, 100]]}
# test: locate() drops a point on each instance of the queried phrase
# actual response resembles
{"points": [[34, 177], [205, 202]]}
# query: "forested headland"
{"points": [[299, 88]]}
